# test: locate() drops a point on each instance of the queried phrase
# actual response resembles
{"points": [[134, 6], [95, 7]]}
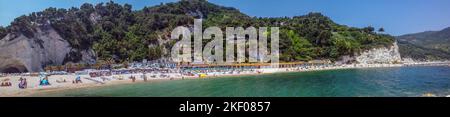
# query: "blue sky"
{"points": [[396, 16]]}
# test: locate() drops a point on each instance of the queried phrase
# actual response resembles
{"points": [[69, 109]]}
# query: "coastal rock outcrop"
{"points": [[380, 55], [19, 53]]}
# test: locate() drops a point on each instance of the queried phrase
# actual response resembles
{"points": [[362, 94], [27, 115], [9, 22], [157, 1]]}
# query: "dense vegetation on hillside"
{"points": [[117, 32], [430, 45], [420, 53], [2, 32]]}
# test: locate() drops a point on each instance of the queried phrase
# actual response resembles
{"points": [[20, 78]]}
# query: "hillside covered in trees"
{"points": [[429, 45], [116, 32]]}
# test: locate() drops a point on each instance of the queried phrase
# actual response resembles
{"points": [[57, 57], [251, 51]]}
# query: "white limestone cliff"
{"points": [[19, 53], [379, 55]]}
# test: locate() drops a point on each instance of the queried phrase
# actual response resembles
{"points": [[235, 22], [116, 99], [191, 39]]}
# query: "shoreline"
{"points": [[14, 91]]}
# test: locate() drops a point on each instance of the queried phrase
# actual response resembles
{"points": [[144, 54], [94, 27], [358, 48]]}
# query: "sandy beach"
{"points": [[57, 81]]}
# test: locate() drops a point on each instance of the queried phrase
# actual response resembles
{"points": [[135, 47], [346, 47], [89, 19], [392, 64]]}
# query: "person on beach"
{"points": [[25, 83], [78, 79], [44, 82], [22, 83], [144, 77], [5, 84], [132, 78]]}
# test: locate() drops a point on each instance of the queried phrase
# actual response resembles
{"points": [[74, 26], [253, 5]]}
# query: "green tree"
{"points": [[369, 29], [343, 45], [381, 30], [300, 50], [3, 32]]}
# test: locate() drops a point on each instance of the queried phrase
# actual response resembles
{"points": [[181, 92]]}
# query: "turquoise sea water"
{"points": [[400, 81]]}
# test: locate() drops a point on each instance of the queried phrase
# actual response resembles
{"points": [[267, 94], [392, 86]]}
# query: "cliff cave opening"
{"points": [[14, 69]]}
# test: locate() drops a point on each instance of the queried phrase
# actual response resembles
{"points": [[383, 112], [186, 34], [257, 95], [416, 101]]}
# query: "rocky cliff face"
{"points": [[19, 53], [380, 55]]}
